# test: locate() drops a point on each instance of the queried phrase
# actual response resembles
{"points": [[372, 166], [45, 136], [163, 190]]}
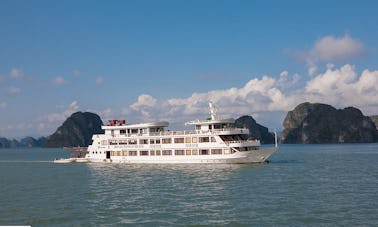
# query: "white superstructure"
{"points": [[211, 141]]}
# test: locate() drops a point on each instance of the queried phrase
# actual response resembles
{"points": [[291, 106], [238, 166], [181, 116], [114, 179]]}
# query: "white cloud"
{"points": [[343, 87], [58, 81], [285, 81], [144, 100], [99, 80], [16, 73], [311, 68], [3, 105], [331, 48], [340, 87], [62, 115], [13, 90]]}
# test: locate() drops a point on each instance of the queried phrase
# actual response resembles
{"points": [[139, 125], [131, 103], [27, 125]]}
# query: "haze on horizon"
{"points": [[164, 60]]}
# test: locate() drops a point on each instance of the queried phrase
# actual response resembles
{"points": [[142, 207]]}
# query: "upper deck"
{"points": [[211, 126]]}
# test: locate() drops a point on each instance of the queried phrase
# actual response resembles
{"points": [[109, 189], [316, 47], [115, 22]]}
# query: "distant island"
{"points": [[25, 142], [306, 123]]}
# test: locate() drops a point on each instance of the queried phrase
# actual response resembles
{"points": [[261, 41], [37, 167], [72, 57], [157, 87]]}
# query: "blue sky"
{"points": [[163, 60]]}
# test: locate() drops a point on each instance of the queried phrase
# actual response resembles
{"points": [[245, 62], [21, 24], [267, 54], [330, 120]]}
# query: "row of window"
{"points": [[158, 141], [169, 152]]}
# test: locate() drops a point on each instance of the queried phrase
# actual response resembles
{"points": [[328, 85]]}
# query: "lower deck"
{"points": [[254, 156]]}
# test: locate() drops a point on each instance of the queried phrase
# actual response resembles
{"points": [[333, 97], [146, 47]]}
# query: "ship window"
{"points": [[194, 152], [144, 153], [158, 153], [187, 140], [243, 149], [132, 153], [179, 152], [104, 142], [152, 153], [122, 131], [143, 141], [157, 141], [204, 152], [122, 142], [203, 139], [167, 140], [217, 126], [152, 141], [113, 142], [188, 152], [124, 153], [132, 141], [167, 152], [134, 131], [179, 140], [216, 151], [213, 139], [198, 127], [194, 140]]}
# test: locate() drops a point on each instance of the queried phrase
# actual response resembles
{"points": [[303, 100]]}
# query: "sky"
{"points": [[158, 60]]}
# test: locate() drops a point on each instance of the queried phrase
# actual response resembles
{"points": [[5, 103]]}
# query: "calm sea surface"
{"points": [[302, 185]]}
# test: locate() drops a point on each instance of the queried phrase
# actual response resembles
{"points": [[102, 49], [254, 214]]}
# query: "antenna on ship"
{"points": [[275, 138], [213, 110]]}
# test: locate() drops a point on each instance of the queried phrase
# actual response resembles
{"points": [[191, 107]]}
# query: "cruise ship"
{"points": [[211, 141]]}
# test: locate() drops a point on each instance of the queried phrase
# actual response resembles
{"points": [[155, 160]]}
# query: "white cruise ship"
{"points": [[211, 141]]}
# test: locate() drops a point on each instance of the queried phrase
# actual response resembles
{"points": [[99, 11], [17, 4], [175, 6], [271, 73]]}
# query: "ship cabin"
{"points": [[212, 125], [117, 128]]}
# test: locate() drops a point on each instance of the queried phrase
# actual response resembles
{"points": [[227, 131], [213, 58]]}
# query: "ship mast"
{"points": [[213, 110]]}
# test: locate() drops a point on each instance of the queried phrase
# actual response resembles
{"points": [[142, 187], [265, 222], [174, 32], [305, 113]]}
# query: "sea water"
{"points": [[302, 185]]}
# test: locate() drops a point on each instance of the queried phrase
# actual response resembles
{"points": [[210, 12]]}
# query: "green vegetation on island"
{"points": [[322, 123], [77, 130]]}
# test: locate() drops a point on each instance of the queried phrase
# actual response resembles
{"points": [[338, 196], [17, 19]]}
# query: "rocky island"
{"points": [[256, 131], [322, 123], [77, 130]]}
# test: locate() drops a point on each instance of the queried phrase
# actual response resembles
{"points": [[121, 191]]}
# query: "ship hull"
{"points": [[256, 156]]}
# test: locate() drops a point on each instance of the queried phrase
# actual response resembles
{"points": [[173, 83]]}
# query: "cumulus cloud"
{"points": [[62, 115], [340, 87], [58, 81], [13, 90], [285, 81], [144, 100], [331, 49], [16, 73], [344, 87]]}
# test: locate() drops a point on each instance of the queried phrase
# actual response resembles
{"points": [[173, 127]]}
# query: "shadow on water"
{"points": [[289, 161]]}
